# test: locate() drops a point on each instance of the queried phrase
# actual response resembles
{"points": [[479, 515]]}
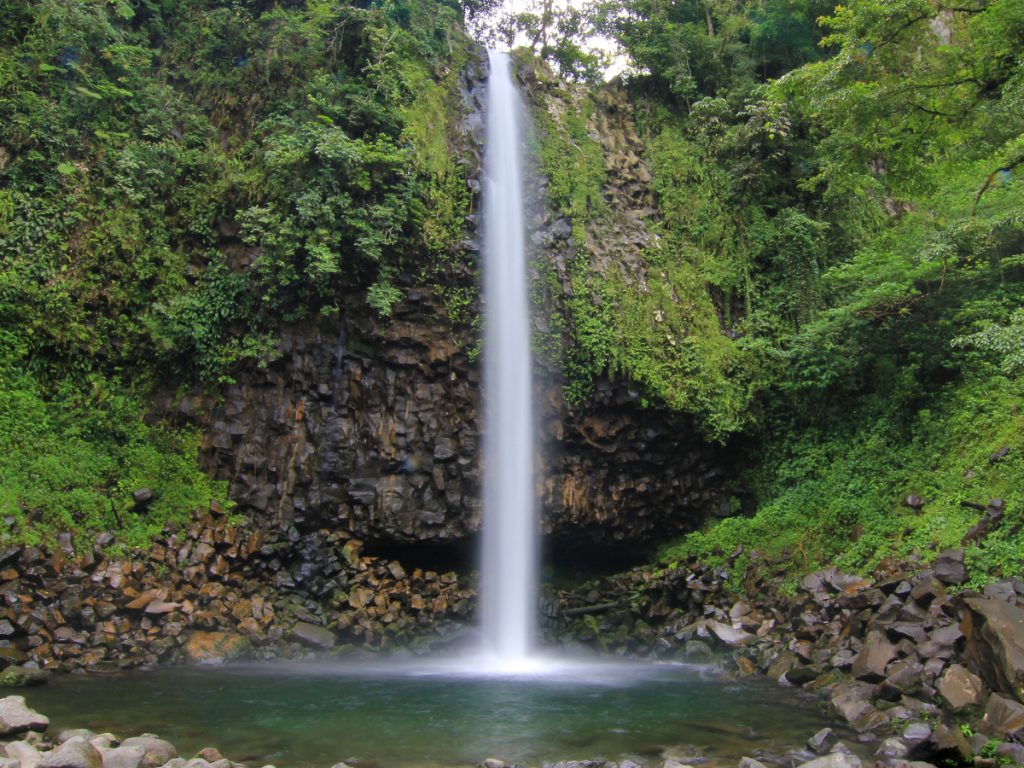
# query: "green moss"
{"points": [[836, 496]]}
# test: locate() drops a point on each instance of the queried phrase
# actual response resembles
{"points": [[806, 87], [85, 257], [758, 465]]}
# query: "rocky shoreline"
{"points": [[919, 667]]}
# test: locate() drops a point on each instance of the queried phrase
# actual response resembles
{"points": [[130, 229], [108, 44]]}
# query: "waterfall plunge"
{"points": [[508, 588]]}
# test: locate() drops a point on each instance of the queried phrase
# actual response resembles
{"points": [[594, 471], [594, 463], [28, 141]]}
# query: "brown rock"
{"points": [[873, 658], [960, 688], [216, 647], [1003, 716], [995, 643]]}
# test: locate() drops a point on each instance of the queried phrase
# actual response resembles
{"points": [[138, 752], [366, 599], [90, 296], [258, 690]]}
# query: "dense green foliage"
{"points": [[177, 180], [841, 243]]}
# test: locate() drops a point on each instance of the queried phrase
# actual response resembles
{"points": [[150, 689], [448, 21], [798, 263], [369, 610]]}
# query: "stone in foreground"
{"points": [[16, 717], [76, 753], [157, 750], [312, 635]]}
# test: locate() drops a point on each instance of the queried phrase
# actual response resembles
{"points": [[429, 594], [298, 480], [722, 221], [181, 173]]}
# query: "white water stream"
{"points": [[508, 588]]}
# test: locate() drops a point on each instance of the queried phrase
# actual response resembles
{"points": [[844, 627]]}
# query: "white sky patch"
{"points": [[619, 62]]}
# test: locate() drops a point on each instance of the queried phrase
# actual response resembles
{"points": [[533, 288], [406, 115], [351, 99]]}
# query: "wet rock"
{"points": [[216, 647], [314, 636], [800, 676], [1012, 752], [490, 762], [915, 733], [1003, 716], [822, 742], [950, 740], [76, 753], [959, 688], [949, 567], [26, 754], [749, 762], [23, 677], [157, 750], [995, 643], [124, 757], [873, 658], [16, 717], [853, 702], [892, 747], [729, 635], [834, 760]]}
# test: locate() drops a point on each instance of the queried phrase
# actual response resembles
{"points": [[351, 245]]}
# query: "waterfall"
{"points": [[508, 588]]}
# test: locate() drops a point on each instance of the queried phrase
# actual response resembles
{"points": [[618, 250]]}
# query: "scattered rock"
{"points": [[23, 677], [75, 753], [124, 757], [949, 567], [314, 636], [873, 658], [157, 751], [16, 717], [1003, 716], [960, 688], [217, 647], [26, 754], [834, 760], [995, 643], [822, 742]]}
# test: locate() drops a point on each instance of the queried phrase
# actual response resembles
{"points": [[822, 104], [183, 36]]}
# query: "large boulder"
{"points": [[76, 753], [217, 647], [124, 757], [1003, 716], [834, 760], [23, 677], [16, 717], [960, 688], [157, 750], [995, 643], [874, 657], [312, 635]]}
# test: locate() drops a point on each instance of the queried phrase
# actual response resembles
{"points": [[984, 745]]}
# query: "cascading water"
{"points": [[509, 570]]}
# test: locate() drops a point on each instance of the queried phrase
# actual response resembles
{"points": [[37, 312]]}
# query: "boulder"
{"points": [[157, 750], [960, 688], [995, 643], [949, 567], [728, 634], [893, 748], [853, 702], [23, 677], [1003, 716], [951, 741], [16, 717], [314, 636], [26, 754], [217, 647], [124, 757], [834, 760], [822, 742], [873, 658], [749, 762], [76, 753]]}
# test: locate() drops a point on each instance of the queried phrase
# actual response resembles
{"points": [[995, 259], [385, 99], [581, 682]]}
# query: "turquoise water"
{"points": [[416, 714]]}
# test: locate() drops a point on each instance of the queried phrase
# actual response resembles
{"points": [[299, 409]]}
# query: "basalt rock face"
{"points": [[380, 437], [365, 428]]}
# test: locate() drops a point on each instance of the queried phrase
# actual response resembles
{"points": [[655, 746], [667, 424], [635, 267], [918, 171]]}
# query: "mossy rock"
{"points": [[23, 677]]}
